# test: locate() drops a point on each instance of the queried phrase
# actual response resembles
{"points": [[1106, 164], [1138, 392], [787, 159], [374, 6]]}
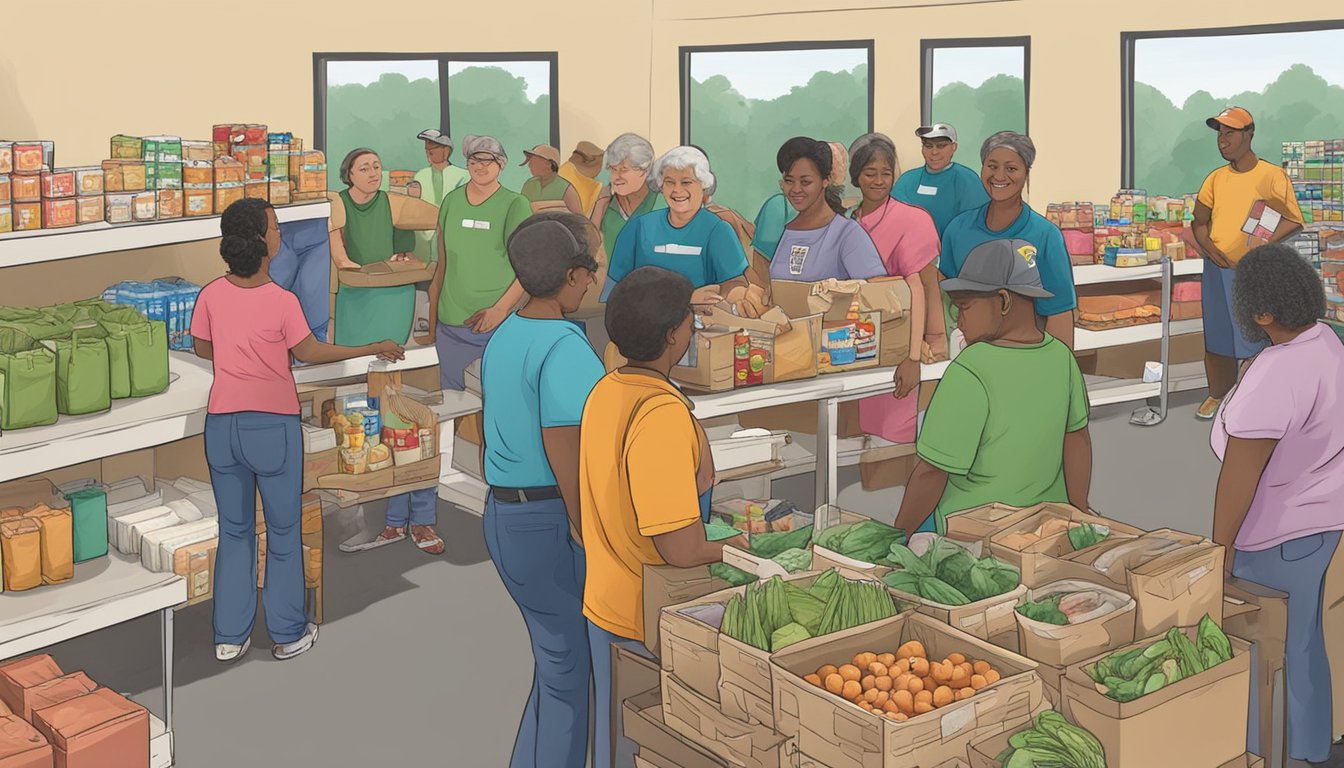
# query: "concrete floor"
{"points": [[425, 661]]}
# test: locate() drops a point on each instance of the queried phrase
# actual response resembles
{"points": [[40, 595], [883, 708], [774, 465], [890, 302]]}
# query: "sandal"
{"points": [[427, 540], [389, 535]]}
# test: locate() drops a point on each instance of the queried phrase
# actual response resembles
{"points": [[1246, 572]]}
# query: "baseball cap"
{"points": [[1000, 265], [545, 151], [937, 131], [489, 145], [1232, 117], [436, 136]]}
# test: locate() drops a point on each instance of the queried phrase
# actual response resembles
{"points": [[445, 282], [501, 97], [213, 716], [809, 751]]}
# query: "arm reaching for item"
{"points": [[488, 319], [310, 350], [687, 547]]}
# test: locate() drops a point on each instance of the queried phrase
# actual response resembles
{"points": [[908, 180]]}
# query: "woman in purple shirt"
{"points": [[1280, 437]]}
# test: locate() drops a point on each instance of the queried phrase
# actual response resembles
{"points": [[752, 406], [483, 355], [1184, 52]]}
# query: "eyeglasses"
{"points": [[482, 159]]}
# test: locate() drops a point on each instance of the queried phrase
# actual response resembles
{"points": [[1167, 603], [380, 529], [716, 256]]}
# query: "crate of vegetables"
{"points": [[1049, 740], [975, 595], [1036, 544], [779, 552], [853, 541], [1068, 621], [941, 689], [1175, 699]]}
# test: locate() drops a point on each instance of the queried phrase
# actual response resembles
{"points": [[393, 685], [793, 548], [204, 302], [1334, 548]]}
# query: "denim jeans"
{"points": [[1298, 567], [416, 508], [600, 642], [543, 570], [246, 452]]}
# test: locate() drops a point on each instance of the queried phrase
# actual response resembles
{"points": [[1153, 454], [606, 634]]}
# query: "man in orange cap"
{"points": [[1241, 205], [546, 188]]}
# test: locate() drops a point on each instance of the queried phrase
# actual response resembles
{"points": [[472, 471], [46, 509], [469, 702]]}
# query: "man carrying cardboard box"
{"points": [[1008, 422]]}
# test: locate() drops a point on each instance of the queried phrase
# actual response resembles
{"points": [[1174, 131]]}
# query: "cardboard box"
{"points": [[1059, 646], [802, 419], [1198, 722], [22, 746], [1177, 589], [993, 619], [984, 751], [741, 744], [887, 467], [840, 734], [790, 345], [1127, 361], [1038, 561], [823, 558], [405, 474], [316, 465], [385, 274], [196, 564], [631, 675], [18, 677], [99, 730], [642, 717], [666, 585], [689, 647], [981, 523], [884, 301]]}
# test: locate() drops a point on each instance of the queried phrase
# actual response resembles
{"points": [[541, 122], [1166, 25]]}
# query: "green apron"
{"points": [[368, 315]]}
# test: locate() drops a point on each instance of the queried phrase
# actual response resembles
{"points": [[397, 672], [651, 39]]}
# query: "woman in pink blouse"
{"points": [[907, 242], [248, 326]]}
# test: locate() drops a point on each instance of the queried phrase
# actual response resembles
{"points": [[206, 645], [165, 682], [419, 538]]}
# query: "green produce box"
{"points": [[823, 557], [89, 509], [984, 752]]}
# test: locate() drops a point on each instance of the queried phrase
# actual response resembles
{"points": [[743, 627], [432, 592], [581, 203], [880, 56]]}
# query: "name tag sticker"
{"points": [[473, 224], [797, 258], [924, 189], [672, 249]]}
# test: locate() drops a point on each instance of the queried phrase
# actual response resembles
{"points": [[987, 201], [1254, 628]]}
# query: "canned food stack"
{"points": [[29, 159]]}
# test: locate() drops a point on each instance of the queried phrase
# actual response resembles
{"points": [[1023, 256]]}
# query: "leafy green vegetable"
{"points": [[1046, 610], [1211, 639], [788, 635], [1087, 535], [773, 614], [868, 541], [735, 577], [794, 560], [905, 581], [825, 585], [1137, 672], [717, 530], [903, 557], [935, 589], [955, 567], [768, 545], [1052, 742], [831, 537], [805, 608]]}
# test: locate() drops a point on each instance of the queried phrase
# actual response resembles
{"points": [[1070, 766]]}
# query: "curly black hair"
{"points": [[243, 245], [1274, 280], [643, 308]]}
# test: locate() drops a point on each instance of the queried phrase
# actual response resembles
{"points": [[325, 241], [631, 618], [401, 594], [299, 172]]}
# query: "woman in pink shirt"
{"points": [[907, 242], [248, 326], [1280, 436]]}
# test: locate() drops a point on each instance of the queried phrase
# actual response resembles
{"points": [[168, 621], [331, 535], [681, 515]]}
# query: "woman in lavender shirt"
{"points": [[1280, 437]]}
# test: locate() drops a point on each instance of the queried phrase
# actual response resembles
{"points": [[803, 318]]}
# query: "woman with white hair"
{"points": [[686, 238], [629, 159], [1006, 159]]}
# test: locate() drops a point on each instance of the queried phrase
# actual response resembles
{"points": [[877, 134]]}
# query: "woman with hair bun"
{"points": [[248, 326]]}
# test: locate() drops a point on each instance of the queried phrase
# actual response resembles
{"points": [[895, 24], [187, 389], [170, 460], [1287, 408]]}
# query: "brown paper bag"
{"points": [[58, 548], [21, 554]]}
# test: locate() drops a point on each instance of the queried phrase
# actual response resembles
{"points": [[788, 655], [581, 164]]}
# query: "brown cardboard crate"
{"points": [[748, 745], [19, 676], [644, 725], [1177, 589], [793, 345], [1040, 562], [1198, 722], [887, 467], [981, 523], [666, 585], [1060, 646], [992, 619], [689, 648], [22, 746]]}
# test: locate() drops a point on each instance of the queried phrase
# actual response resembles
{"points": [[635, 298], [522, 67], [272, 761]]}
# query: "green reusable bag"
{"points": [[42, 327], [118, 364], [88, 509], [146, 351], [28, 398], [82, 374]]}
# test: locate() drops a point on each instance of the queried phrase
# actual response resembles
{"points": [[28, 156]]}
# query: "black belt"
{"points": [[525, 495]]}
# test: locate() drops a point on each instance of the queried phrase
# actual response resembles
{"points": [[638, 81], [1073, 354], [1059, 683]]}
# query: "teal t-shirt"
{"points": [[535, 374], [997, 422], [1052, 257], [944, 194], [774, 216], [706, 251]]}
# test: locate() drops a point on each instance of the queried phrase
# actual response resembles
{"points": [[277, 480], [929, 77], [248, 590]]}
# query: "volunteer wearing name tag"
{"points": [[686, 238], [820, 243], [943, 188], [629, 159]]}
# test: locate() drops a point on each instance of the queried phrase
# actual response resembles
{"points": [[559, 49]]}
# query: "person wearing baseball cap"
{"points": [[436, 181], [546, 189], [1246, 192], [940, 186], [1008, 422], [581, 170]]}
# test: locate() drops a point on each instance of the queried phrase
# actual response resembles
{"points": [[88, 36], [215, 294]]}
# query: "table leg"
{"points": [[828, 415], [167, 622]]}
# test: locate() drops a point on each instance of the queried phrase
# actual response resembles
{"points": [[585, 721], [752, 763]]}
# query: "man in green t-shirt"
{"points": [[1008, 422]]}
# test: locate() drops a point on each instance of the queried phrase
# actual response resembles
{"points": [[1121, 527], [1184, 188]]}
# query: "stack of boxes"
{"points": [[163, 174], [59, 208], [198, 178], [1316, 169], [27, 160], [1077, 222]]}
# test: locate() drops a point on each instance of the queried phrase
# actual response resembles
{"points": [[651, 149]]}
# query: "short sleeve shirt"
{"points": [[840, 250], [706, 251], [1052, 258], [1232, 195], [904, 236], [945, 194], [477, 272], [774, 216], [251, 331]]}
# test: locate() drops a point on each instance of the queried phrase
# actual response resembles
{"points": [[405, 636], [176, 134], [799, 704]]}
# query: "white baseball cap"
{"points": [[937, 131]]}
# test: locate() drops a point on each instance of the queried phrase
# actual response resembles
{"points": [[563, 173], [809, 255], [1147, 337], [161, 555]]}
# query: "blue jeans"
{"points": [[416, 508], [600, 641], [543, 570], [302, 266], [1298, 567], [246, 452]]}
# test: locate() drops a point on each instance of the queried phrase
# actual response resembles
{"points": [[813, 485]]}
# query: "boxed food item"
{"points": [[89, 180], [60, 213], [666, 585], [6, 157], [56, 691], [838, 733], [731, 352], [120, 207], [124, 175], [645, 725], [226, 195], [851, 324], [229, 171], [889, 466], [1197, 720], [27, 216], [990, 617], [311, 177], [145, 206], [196, 564], [57, 542], [253, 158], [25, 188], [198, 172], [101, 729], [128, 148], [980, 523], [19, 676], [278, 193], [59, 182], [167, 175], [6, 219], [162, 149], [170, 204], [197, 151], [257, 190], [5, 191], [1036, 544], [198, 200], [31, 156], [1069, 621], [21, 746], [741, 744]]}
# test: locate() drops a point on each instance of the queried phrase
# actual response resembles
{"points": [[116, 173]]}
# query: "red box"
{"points": [[27, 216], [62, 212], [21, 746], [26, 188], [17, 677], [58, 183], [57, 691], [98, 730]]}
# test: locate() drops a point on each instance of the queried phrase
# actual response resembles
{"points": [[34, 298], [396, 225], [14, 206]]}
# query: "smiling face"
{"points": [[366, 175], [1004, 175], [484, 168], [436, 153], [938, 153], [683, 191], [876, 178], [803, 185], [1233, 142], [626, 179]]}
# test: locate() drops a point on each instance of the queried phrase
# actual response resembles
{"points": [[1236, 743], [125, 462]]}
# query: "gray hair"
{"points": [[472, 145], [684, 157], [867, 148], [1017, 142], [348, 163], [630, 148], [546, 246]]}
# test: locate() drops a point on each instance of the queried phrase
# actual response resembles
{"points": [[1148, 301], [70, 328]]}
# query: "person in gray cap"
{"points": [[436, 181], [1008, 422], [940, 186], [536, 374]]}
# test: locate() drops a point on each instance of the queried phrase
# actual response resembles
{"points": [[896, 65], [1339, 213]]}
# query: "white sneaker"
{"points": [[290, 650], [227, 652]]}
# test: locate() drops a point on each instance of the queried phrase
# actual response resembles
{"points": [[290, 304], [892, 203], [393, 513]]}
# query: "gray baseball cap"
{"points": [[436, 136], [473, 145], [1000, 265], [937, 131]]}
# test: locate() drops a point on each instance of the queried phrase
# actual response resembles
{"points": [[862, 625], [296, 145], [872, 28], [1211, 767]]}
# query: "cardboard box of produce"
{"points": [[1178, 589], [982, 522], [789, 347], [823, 558], [985, 750], [386, 274], [887, 467], [1198, 722], [992, 619], [741, 744], [666, 585], [644, 724], [840, 734], [1059, 646], [1035, 544], [886, 298], [689, 640]]}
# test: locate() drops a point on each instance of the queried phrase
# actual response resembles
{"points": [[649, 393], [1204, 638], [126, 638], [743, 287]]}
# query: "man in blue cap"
{"points": [[1008, 422]]}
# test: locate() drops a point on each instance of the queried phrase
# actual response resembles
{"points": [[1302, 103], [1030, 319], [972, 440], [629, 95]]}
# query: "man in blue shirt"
{"points": [[940, 186]]}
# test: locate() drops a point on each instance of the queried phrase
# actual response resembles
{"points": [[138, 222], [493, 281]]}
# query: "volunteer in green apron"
{"points": [[363, 223]]}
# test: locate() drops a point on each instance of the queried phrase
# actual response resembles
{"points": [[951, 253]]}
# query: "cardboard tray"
{"points": [[1038, 561], [1059, 646], [386, 274], [666, 585], [421, 472], [645, 725]]}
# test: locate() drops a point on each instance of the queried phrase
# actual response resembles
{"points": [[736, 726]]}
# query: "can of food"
{"points": [[25, 188], [27, 216], [354, 436], [756, 366], [119, 208], [90, 208], [60, 212], [373, 425], [355, 461], [146, 206], [401, 439], [58, 182], [428, 447], [89, 180]]}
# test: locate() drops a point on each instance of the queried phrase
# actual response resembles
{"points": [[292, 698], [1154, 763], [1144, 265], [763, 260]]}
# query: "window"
{"points": [[740, 103], [382, 101], [1290, 78], [979, 86]]}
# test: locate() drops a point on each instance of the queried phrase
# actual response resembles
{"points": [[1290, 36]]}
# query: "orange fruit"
{"points": [[870, 695], [978, 682], [884, 683], [862, 660], [887, 658], [924, 696], [904, 701], [940, 672], [851, 690], [882, 699], [916, 685], [919, 667], [813, 679], [835, 684], [850, 673], [878, 669], [992, 677], [980, 667], [868, 682], [965, 693], [922, 707], [942, 696], [956, 658], [912, 649], [826, 671]]}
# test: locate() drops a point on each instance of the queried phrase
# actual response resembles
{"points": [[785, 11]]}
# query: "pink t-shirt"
{"points": [[904, 235], [1293, 393], [252, 331]]}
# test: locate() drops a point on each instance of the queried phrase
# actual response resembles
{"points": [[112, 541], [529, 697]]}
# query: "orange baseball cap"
{"points": [[1232, 117]]}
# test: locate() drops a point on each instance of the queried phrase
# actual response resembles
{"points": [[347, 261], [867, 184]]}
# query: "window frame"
{"points": [[321, 59], [929, 45], [684, 68], [1128, 47]]}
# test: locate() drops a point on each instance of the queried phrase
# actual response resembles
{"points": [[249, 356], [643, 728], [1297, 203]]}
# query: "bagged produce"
{"points": [[1074, 604], [28, 391], [1137, 672], [1129, 554], [735, 577], [83, 382], [1088, 535], [21, 554], [1053, 741], [146, 344], [57, 543]]}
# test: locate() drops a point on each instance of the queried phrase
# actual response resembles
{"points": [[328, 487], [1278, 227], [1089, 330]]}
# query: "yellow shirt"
{"points": [[588, 189], [639, 451], [1230, 195]]}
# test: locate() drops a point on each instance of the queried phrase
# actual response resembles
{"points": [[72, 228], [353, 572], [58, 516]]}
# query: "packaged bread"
{"points": [[58, 182], [63, 212], [89, 180], [27, 216], [21, 554], [25, 188], [90, 209]]}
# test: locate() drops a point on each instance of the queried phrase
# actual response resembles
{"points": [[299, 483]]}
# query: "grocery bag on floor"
{"points": [[146, 349], [28, 398], [21, 554], [82, 373], [57, 543]]}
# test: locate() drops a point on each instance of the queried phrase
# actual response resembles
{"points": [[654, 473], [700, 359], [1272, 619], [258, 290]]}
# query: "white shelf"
{"points": [[1133, 334], [464, 491], [1187, 267], [1105, 391], [104, 592], [1182, 327], [358, 368], [42, 245], [1096, 274]]}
